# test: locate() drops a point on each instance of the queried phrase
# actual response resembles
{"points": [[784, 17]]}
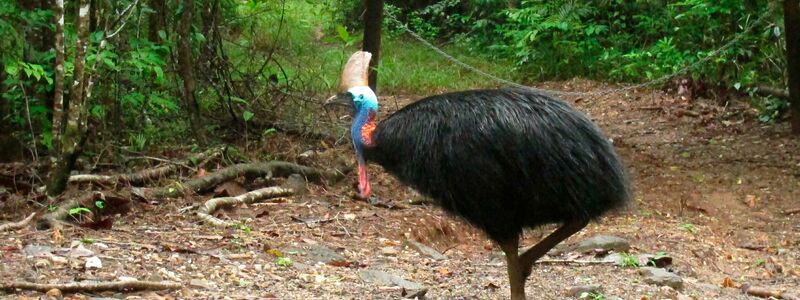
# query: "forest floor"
{"points": [[715, 190]]}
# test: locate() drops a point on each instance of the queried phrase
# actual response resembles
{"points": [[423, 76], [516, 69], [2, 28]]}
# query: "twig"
{"points": [[17, 225], [132, 285], [212, 205], [273, 168], [573, 261]]}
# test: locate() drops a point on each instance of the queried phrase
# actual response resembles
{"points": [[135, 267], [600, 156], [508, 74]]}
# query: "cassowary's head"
{"points": [[363, 104]]}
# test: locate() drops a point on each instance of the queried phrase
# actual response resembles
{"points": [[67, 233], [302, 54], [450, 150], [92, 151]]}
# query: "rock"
{"points": [[54, 294], [425, 250], [80, 251], [389, 251], [605, 242], [200, 283], [658, 261], [412, 289], [297, 183], [661, 277], [93, 263], [319, 253], [577, 291], [37, 250]]}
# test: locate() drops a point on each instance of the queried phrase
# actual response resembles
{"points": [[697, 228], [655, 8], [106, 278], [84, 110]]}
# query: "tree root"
{"points": [[212, 205], [132, 285], [17, 225], [270, 169], [52, 220], [767, 293], [146, 175]]}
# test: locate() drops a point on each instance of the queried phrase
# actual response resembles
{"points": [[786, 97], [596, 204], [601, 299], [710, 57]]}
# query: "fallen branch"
{"points": [[765, 90], [17, 225], [72, 287], [766, 293], [573, 261], [146, 175], [270, 169], [212, 205], [52, 219]]}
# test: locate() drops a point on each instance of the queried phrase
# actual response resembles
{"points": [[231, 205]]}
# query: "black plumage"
{"points": [[502, 159]]}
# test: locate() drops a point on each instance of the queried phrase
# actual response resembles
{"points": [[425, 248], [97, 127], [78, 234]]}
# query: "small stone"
{"points": [[55, 293], [80, 251], [425, 250], [41, 263], [661, 277], [577, 291], [200, 283], [126, 278], [297, 183], [606, 242], [93, 263], [389, 251], [411, 289], [37, 250], [319, 253]]}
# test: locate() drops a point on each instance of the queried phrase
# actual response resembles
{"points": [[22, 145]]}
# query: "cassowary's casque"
{"points": [[503, 159]]}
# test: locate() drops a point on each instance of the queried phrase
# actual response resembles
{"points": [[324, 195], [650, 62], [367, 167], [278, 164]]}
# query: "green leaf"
{"points": [[78, 210], [247, 115], [343, 34], [100, 204]]}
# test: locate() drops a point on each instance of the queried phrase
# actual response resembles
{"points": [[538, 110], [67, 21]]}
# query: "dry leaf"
{"points": [[750, 200], [728, 283]]}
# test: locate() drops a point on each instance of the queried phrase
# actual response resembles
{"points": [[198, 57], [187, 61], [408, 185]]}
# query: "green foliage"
{"points": [[628, 260], [284, 262], [78, 211], [592, 296], [688, 227]]}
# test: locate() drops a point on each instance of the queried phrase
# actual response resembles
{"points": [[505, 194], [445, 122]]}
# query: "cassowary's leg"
{"points": [[515, 270], [533, 254]]}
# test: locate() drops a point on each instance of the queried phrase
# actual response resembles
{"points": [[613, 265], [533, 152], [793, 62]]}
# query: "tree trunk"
{"points": [[74, 135], [185, 68], [373, 18], [58, 89], [156, 20], [791, 21]]}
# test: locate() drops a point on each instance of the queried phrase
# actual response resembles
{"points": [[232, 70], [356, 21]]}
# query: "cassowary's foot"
{"points": [[533, 254], [515, 269]]}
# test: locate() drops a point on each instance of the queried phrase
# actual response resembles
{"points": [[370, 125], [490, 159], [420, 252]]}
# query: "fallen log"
{"points": [[258, 169], [17, 225], [205, 211], [72, 287], [146, 175]]}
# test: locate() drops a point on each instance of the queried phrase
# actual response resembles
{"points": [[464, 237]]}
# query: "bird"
{"points": [[502, 159]]}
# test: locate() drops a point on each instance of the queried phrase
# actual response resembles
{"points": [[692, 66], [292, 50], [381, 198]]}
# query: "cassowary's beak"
{"points": [[338, 100]]}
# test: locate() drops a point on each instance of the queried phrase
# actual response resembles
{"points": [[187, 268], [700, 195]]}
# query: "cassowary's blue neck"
{"points": [[361, 131]]}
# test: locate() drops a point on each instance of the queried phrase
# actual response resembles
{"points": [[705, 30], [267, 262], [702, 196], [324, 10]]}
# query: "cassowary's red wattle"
{"points": [[502, 159]]}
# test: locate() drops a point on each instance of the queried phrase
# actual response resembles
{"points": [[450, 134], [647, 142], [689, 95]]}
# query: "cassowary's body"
{"points": [[502, 159]]}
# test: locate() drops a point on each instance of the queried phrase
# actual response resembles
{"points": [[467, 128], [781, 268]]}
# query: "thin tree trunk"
{"points": [[73, 138], [791, 21], [186, 70], [156, 20], [373, 18], [58, 89]]}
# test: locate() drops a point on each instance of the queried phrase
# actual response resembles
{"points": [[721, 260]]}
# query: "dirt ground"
{"points": [[714, 189]]}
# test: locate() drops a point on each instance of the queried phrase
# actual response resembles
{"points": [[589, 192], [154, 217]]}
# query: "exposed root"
{"points": [[52, 220], [17, 225], [146, 175], [270, 169], [212, 205], [72, 287], [767, 293], [574, 261]]}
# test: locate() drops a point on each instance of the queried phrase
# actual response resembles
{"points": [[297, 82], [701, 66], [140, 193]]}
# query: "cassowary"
{"points": [[502, 159]]}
